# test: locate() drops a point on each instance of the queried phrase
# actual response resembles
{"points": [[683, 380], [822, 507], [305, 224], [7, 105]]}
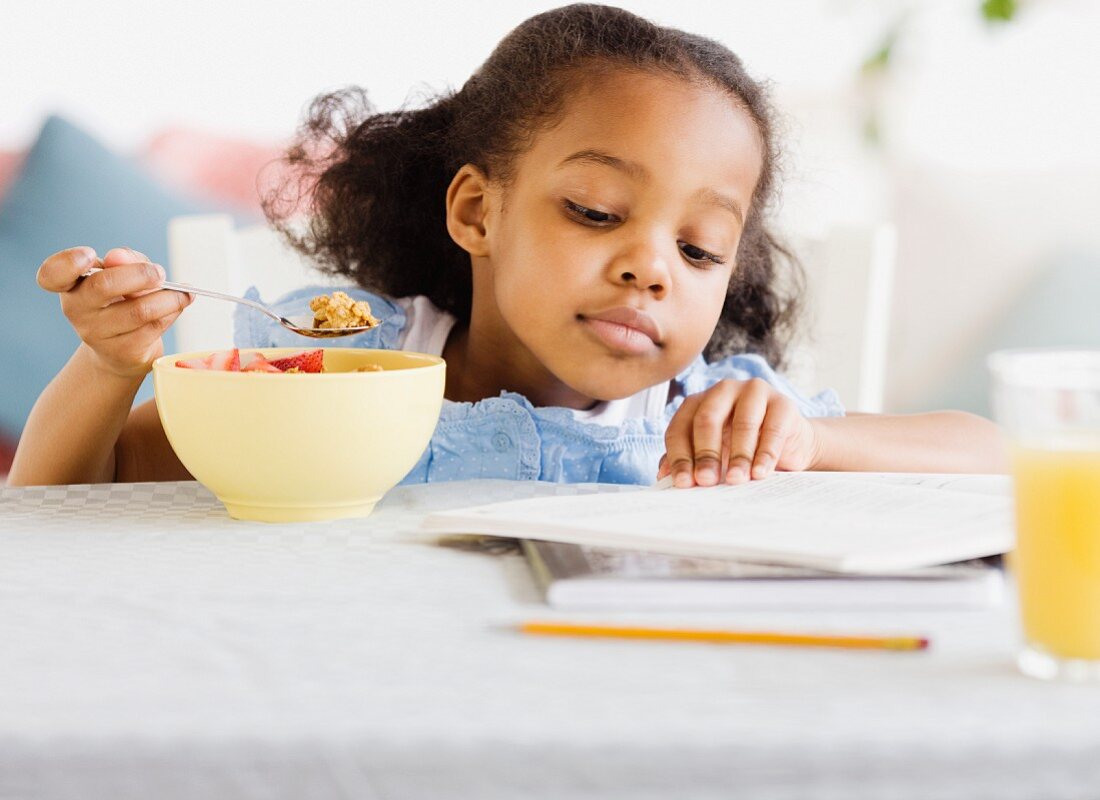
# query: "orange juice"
{"points": [[1057, 558]]}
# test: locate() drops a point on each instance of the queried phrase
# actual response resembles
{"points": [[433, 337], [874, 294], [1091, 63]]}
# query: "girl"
{"points": [[580, 231]]}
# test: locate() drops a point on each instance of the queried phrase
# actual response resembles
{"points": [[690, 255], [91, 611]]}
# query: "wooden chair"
{"points": [[845, 327], [210, 251]]}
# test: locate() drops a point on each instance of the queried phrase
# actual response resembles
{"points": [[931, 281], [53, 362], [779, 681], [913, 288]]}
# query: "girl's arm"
{"points": [[740, 430], [81, 430], [938, 441]]}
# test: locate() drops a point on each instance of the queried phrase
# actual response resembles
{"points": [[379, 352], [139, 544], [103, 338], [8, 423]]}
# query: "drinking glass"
{"points": [[1048, 403]]}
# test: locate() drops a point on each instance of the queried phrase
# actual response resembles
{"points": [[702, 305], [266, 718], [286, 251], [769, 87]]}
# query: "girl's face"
{"points": [[609, 253]]}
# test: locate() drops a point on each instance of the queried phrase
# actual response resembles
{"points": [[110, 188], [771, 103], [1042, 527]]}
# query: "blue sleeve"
{"points": [[253, 329], [700, 376]]}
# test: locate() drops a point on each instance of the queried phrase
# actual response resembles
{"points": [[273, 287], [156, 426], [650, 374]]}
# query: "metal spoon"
{"points": [[302, 330]]}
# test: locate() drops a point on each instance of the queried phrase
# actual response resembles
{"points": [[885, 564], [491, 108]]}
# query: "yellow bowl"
{"points": [[295, 447]]}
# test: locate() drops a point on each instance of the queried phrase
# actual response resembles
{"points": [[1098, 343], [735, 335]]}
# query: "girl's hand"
{"points": [[736, 430], [117, 312]]}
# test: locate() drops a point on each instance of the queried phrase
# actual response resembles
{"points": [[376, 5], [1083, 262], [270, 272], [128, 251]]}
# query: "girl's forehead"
{"points": [[661, 124]]}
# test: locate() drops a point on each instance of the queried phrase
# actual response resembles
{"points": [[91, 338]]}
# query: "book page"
{"points": [[830, 521]]}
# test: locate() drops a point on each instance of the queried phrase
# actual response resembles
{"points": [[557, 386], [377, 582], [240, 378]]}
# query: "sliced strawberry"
{"points": [[195, 363], [226, 360], [308, 361], [259, 364]]}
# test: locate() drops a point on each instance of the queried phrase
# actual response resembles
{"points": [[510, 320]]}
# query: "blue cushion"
{"points": [[1057, 310], [71, 191]]}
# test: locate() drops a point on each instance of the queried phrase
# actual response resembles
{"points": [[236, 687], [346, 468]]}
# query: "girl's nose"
{"points": [[644, 267]]}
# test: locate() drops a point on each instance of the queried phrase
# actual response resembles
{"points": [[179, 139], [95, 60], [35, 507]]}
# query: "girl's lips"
{"points": [[624, 329]]}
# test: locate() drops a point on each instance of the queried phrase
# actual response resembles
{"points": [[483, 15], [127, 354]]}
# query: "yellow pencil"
{"points": [[724, 636]]}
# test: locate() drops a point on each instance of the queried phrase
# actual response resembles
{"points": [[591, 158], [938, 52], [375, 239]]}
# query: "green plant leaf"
{"points": [[999, 10], [879, 60]]}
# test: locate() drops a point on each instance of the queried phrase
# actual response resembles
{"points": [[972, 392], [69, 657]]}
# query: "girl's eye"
{"points": [[589, 215], [696, 254]]}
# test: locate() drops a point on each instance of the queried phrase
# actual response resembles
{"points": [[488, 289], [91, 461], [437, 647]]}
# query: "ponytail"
{"points": [[375, 188]]}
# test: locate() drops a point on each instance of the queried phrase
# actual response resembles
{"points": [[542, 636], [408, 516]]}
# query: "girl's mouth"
{"points": [[624, 329]]}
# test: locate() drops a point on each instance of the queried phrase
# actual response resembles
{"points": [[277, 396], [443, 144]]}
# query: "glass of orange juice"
{"points": [[1048, 402]]}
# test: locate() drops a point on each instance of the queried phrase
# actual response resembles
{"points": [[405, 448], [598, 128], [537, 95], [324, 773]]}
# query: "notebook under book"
{"points": [[579, 578]]}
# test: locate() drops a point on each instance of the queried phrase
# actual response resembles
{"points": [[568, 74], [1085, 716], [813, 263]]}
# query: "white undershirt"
{"points": [[427, 329]]}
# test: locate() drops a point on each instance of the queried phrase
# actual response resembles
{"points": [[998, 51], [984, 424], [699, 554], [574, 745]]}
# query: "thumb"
{"points": [[123, 255]]}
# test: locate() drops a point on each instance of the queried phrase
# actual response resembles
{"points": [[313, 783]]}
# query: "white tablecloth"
{"points": [[150, 647]]}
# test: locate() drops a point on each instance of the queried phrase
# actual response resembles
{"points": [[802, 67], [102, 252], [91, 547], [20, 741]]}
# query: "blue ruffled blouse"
{"points": [[508, 437]]}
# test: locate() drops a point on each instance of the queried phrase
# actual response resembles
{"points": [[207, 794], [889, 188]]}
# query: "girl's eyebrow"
{"points": [[631, 168], [716, 198], [638, 172]]}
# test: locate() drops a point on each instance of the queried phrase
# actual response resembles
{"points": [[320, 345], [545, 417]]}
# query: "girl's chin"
{"points": [[604, 387]]}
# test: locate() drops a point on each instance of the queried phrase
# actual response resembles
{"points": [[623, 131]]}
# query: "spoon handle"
{"points": [[183, 287]]}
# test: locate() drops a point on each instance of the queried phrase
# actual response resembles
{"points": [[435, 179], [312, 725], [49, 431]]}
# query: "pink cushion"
{"points": [[10, 161], [228, 170]]}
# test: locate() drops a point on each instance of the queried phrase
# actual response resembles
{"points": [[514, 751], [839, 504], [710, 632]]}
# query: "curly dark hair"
{"points": [[375, 183]]}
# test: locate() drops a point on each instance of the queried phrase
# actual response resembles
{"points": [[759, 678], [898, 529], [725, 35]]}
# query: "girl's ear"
{"points": [[467, 206]]}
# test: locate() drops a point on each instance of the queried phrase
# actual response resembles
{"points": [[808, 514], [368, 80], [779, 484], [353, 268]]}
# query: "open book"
{"points": [[576, 577], [842, 522]]}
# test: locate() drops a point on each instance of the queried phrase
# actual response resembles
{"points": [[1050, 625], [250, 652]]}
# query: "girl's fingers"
{"points": [[146, 333], [123, 255], [134, 314], [61, 271], [135, 347], [114, 282], [736, 430], [774, 431], [707, 430], [744, 428], [679, 453]]}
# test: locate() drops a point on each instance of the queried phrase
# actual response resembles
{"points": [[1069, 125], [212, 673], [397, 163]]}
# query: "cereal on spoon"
{"points": [[339, 310]]}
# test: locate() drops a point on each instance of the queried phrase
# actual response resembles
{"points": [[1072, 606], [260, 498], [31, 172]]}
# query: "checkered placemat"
{"points": [[187, 505], [98, 506]]}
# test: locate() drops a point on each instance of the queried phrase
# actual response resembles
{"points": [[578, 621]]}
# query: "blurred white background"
{"points": [[987, 150]]}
